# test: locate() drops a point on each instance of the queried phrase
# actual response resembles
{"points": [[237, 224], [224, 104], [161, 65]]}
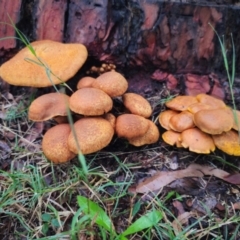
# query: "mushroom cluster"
{"points": [[201, 123], [94, 125]]}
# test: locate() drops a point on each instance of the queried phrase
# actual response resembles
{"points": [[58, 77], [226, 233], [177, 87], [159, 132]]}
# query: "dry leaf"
{"points": [[161, 179]]}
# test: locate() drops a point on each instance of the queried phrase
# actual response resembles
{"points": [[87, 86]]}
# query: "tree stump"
{"points": [[173, 37]]}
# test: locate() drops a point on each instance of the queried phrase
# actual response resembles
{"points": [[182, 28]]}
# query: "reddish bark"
{"points": [[154, 34], [50, 18], [9, 11]]}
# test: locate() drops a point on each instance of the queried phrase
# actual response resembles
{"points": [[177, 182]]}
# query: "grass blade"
{"points": [[146, 221], [95, 212]]}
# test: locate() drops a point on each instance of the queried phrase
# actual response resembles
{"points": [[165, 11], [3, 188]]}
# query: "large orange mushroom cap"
{"points": [[214, 121], [90, 102], [131, 126], [228, 142], [197, 141], [55, 144], [137, 104], [112, 83], [93, 134], [48, 106], [181, 103], [210, 100], [64, 60]]}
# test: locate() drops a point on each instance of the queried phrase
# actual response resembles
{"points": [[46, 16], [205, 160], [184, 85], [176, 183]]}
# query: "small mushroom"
{"points": [[55, 144], [181, 121], [93, 134], [64, 60], [112, 83], [181, 103], [48, 106], [131, 126], [90, 102], [85, 82], [197, 141], [214, 121], [228, 142], [172, 138], [137, 104], [150, 137], [165, 116]]}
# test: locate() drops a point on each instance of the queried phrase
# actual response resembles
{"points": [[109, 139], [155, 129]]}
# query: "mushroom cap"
{"points": [[181, 103], [164, 118], [172, 138], [48, 106], [90, 102], [150, 137], [131, 126], [64, 60], [85, 82], [112, 83], [181, 121], [228, 142], [214, 121], [197, 141], [210, 100], [93, 134], [55, 144], [137, 104], [194, 108]]}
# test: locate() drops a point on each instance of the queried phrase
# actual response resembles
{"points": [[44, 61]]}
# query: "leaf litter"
{"points": [[163, 178]]}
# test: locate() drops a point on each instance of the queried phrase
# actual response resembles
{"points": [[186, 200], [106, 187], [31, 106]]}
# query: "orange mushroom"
{"points": [[181, 103], [93, 134], [214, 121], [63, 59], [137, 104], [48, 106], [165, 116], [85, 82], [197, 141], [90, 102], [55, 144], [172, 138], [150, 137], [131, 126], [228, 142], [181, 121], [112, 83]]}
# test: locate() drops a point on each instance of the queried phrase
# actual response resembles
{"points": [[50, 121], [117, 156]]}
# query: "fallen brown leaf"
{"points": [[161, 179]]}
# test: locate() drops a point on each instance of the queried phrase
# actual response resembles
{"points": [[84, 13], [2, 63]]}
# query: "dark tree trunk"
{"points": [[173, 36]]}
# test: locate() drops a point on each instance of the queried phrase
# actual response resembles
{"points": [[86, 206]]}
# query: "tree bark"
{"points": [[173, 36]]}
